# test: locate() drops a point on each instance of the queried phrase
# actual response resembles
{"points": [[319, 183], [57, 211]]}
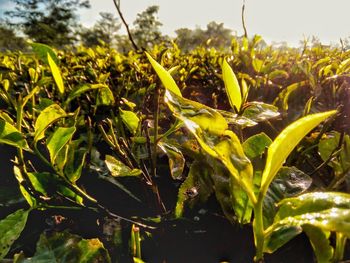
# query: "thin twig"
{"points": [[117, 5], [243, 21]]}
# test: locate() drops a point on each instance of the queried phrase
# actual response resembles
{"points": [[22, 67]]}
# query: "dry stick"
{"points": [[156, 122], [117, 5], [243, 21], [154, 187]]}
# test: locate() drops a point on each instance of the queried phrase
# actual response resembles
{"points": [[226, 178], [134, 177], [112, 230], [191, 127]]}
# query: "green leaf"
{"points": [[196, 187], [59, 138], [312, 203], [83, 89], [333, 220], [209, 128], [6, 84], [230, 153], [138, 260], [176, 159], [327, 146], [164, 76], [284, 95], [238, 120], [256, 145], [65, 247], [285, 142], [259, 111], [75, 159], [10, 229], [130, 119], [280, 236], [232, 86], [278, 73], [189, 111], [288, 182], [48, 185], [320, 243], [56, 74], [11, 136], [105, 97], [257, 64], [245, 90], [41, 50], [118, 169], [48, 116]]}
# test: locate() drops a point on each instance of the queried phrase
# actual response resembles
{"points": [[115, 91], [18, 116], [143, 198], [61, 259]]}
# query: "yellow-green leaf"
{"points": [[49, 115], [56, 73], [232, 86], [286, 141], [164, 76], [11, 136], [10, 229], [118, 169], [206, 118], [130, 119], [58, 140]]}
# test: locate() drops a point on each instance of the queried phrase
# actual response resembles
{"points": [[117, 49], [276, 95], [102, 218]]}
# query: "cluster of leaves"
{"points": [[248, 137]]}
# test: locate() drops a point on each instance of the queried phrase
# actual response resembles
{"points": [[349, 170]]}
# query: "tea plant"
{"points": [[317, 213], [95, 115]]}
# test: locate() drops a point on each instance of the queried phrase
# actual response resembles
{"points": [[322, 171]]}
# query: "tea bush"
{"points": [[265, 130]]}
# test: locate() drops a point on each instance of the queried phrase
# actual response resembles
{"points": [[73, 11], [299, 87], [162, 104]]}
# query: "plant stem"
{"points": [[258, 227], [156, 120], [339, 248]]}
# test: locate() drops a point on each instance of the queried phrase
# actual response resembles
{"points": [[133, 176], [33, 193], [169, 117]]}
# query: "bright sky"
{"points": [[275, 20]]}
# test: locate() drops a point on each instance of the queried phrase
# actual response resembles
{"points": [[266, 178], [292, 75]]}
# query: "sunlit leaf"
{"points": [[320, 243], [138, 260], [238, 120], [259, 111], [333, 219], [176, 159], [6, 84], [11, 136], [343, 66], [56, 74], [60, 137], [10, 229], [257, 64], [232, 86], [285, 142], [65, 247], [245, 90], [48, 116], [164, 76], [130, 119], [118, 169], [105, 97], [312, 203], [205, 117], [278, 74], [284, 95]]}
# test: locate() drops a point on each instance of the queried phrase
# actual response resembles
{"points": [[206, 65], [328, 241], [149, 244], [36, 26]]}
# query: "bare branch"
{"points": [[243, 21], [117, 5]]}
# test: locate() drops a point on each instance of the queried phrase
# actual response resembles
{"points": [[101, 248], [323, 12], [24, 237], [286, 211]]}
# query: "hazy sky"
{"points": [[275, 20]]}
